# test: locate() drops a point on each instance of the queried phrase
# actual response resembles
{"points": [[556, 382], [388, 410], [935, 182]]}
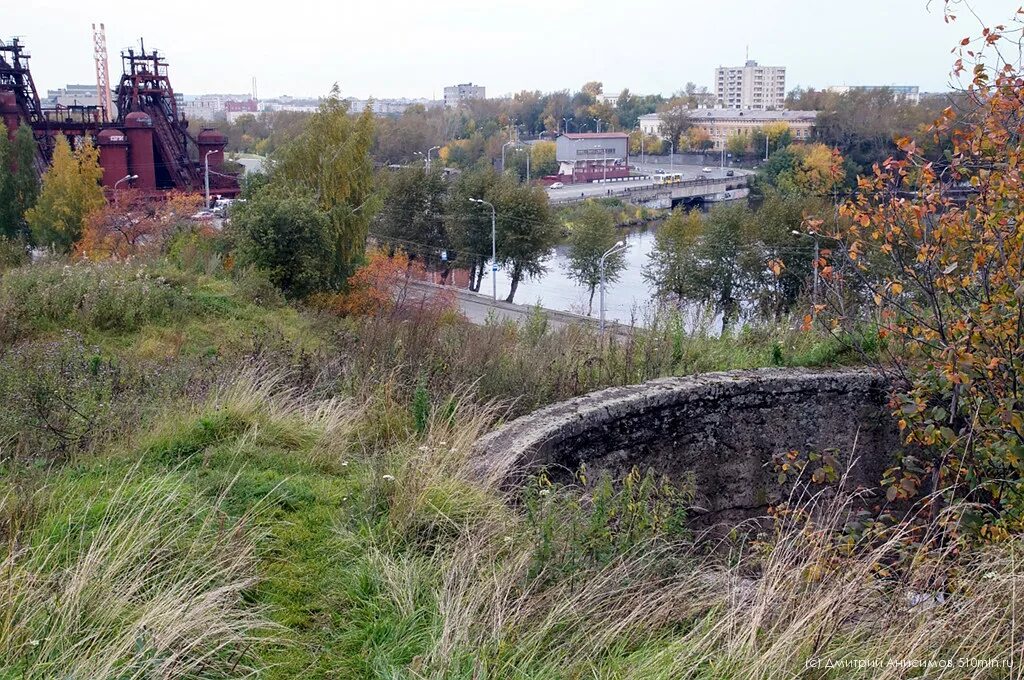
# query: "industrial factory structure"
{"points": [[146, 144]]}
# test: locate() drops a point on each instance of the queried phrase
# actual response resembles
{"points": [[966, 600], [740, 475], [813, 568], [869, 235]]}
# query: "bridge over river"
{"points": [[656, 192]]}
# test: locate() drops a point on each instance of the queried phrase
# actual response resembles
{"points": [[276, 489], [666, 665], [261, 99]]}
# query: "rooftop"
{"points": [[595, 135], [754, 114]]}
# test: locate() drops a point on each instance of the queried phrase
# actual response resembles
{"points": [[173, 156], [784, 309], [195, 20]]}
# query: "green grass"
{"points": [[261, 491]]}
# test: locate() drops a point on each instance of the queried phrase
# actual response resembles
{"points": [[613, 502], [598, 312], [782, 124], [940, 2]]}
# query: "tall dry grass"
{"points": [[140, 582]]}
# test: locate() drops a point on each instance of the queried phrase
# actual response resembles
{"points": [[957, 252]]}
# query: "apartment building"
{"points": [[750, 86]]}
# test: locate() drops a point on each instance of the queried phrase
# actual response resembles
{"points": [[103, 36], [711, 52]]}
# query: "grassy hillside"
{"points": [[201, 481]]}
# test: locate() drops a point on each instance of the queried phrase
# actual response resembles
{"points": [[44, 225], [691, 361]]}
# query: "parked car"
{"points": [[557, 185], [729, 173], [203, 215], [707, 170]]}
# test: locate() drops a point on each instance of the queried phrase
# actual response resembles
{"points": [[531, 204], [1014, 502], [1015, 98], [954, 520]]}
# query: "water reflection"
{"points": [[630, 295]]}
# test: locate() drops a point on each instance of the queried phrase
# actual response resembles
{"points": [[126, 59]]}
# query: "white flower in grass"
{"points": [[544, 492], [423, 448], [388, 478], [344, 463]]}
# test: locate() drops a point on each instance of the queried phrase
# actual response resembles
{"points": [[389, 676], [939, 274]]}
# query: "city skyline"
{"points": [[420, 50]]}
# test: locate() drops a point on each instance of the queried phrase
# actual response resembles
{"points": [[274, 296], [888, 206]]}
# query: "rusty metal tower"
{"points": [[99, 45]]}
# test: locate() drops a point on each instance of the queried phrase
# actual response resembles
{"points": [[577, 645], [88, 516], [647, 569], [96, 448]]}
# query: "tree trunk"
{"points": [[516, 274], [473, 285], [590, 307], [479, 275]]}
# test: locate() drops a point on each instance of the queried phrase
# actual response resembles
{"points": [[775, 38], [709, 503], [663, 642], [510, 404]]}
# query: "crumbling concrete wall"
{"points": [[721, 430]]}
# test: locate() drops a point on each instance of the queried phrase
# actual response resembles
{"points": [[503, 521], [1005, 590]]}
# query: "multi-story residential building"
{"points": [[750, 86], [911, 93], [456, 94], [721, 124]]}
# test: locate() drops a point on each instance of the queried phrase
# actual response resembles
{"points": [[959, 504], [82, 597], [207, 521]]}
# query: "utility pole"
{"points": [[494, 246]]}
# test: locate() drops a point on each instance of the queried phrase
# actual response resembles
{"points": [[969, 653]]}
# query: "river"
{"points": [[628, 297]]}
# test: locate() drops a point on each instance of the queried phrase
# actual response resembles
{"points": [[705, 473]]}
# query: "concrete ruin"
{"points": [[722, 430]]}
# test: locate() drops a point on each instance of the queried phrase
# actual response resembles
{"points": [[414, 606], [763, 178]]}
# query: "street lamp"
{"points": [[126, 178], [566, 121], [433, 148], [597, 122], [814, 289], [494, 246], [672, 157], [508, 143], [620, 245], [206, 162]]}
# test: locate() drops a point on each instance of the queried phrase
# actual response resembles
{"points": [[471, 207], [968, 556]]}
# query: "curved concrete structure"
{"points": [[720, 429]]}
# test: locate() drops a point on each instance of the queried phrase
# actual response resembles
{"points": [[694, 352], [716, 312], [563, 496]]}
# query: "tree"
{"points": [[134, 224], [469, 224], [71, 190], [803, 169], [542, 159], [698, 138], [412, 216], [708, 260], [526, 230], [674, 122], [288, 236], [330, 163], [593, 233], [738, 143], [19, 186], [937, 252]]}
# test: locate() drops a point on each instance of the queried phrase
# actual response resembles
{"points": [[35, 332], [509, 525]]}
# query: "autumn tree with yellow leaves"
{"points": [[936, 252], [70, 192]]}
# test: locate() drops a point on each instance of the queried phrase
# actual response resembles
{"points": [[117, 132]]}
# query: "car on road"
{"points": [[707, 170], [203, 215], [729, 173], [557, 185]]}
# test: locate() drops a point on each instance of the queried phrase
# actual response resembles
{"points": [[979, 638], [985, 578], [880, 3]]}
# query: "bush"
{"points": [[105, 297], [289, 237]]}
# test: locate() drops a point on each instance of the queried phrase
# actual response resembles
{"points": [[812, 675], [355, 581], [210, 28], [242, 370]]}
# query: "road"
{"points": [[478, 309], [597, 189]]}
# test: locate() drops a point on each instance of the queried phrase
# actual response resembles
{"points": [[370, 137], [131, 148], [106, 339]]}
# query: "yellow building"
{"points": [[721, 124]]}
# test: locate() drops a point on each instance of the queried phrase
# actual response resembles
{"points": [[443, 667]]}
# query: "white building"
{"points": [[911, 93], [721, 124], [750, 86], [456, 94]]}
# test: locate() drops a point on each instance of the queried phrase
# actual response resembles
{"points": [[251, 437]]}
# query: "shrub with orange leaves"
{"points": [[389, 283], [936, 250], [134, 223]]}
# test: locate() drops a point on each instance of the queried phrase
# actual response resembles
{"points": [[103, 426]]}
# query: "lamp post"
{"points": [[672, 157], [566, 121], [814, 288], [433, 148], [126, 178], [206, 183], [766, 146], [494, 246], [597, 122], [508, 143], [620, 245]]}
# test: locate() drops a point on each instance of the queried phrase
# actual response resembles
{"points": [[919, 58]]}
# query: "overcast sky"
{"points": [[393, 48]]}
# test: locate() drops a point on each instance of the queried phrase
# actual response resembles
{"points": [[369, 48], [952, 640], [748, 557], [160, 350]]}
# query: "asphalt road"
{"points": [[479, 308], [597, 189]]}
